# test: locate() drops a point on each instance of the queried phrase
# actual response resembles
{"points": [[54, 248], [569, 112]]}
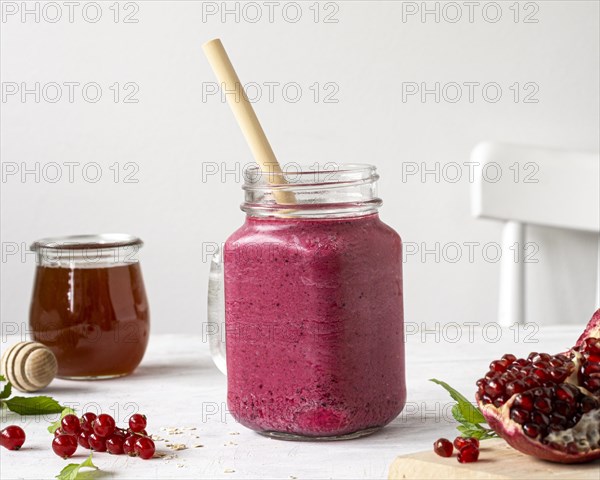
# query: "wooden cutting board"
{"points": [[496, 461]]}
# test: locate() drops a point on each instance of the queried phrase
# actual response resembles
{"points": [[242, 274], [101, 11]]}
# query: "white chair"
{"points": [[522, 185]]}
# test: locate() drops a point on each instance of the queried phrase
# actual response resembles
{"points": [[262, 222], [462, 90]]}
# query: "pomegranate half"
{"points": [[547, 405]]}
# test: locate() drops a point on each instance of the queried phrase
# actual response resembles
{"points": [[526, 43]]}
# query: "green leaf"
{"points": [[6, 391], [468, 411], [2, 379], [54, 425], [72, 470], [33, 405]]}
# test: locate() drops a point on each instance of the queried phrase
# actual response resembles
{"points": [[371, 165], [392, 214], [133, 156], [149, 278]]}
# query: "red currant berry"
{"points": [[97, 443], [86, 422], [59, 431], [121, 432], [129, 445], [114, 444], [104, 425], [137, 422], [144, 447], [64, 445], [460, 442], [468, 454], [12, 437], [70, 424], [443, 447], [83, 440]]}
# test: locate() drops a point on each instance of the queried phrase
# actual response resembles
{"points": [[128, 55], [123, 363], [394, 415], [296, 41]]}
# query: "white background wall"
{"points": [[172, 133]]}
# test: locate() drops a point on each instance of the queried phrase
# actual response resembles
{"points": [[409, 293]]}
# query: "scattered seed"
{"points": [[229, 470], [176, 446], [197, 445]]}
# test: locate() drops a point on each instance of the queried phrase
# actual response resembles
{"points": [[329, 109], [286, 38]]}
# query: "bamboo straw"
{"points": [[246, 117]]}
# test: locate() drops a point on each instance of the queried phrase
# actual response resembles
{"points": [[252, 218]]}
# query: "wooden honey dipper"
{"points": [[28, 366]]}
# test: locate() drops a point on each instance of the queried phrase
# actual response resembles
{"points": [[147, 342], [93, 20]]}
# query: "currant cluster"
{"points": [[101, 434], [468, 448]]}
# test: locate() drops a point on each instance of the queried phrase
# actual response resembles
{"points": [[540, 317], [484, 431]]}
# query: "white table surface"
{"points": [[178, 386]]}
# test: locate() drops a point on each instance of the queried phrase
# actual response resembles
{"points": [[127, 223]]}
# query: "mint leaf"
{"points": [[33, 405], [469, 412], [54, 425], [72, 470], [2, 379], [6, 391]]}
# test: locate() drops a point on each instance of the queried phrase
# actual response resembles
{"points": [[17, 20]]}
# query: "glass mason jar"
{"points": [[312, 307], [89, 304]]}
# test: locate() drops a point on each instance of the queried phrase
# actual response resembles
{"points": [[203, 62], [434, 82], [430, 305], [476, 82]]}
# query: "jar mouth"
{"points": [[87, 251], [87, 241], [298, 176], [312, 191]]}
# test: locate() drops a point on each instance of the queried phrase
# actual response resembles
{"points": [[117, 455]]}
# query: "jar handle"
{"points": [[216, 311]]}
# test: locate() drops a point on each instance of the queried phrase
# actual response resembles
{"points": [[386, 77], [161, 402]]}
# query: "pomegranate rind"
{"points": [[499, 420], [592, 330]]}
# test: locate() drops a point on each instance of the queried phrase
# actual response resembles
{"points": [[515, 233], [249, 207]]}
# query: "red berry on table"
{"points": [[97, 443], [144, 447], [70, 424], [12, 437], [460, 442], [121, 432], [129, 445], [137, 423], [64, 445], [468, 454], [59, 431], [86, 422], [83, 440], [443, 447], [114, 444], [104, 425]]}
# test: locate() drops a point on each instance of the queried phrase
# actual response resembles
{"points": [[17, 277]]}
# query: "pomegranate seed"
{"points": [[593, 384], [114, 444], [97, 443], [519, 415], [494, 388], [540, 419], [524, 401], [64, 445], [461, 442], [443, 447], [70, 424], [468, 454], [558, 419], [144, 447], [499, 366], [517, 386], [588, 404], [104, 425], [531, 430], [543, 404], [12, 437], [567, 392]]}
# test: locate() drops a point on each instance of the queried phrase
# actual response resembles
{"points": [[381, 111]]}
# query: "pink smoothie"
{"points": [[314, 317]]}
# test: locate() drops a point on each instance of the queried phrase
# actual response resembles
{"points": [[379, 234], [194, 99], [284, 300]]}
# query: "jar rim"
{"points": [[87, 241]]}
